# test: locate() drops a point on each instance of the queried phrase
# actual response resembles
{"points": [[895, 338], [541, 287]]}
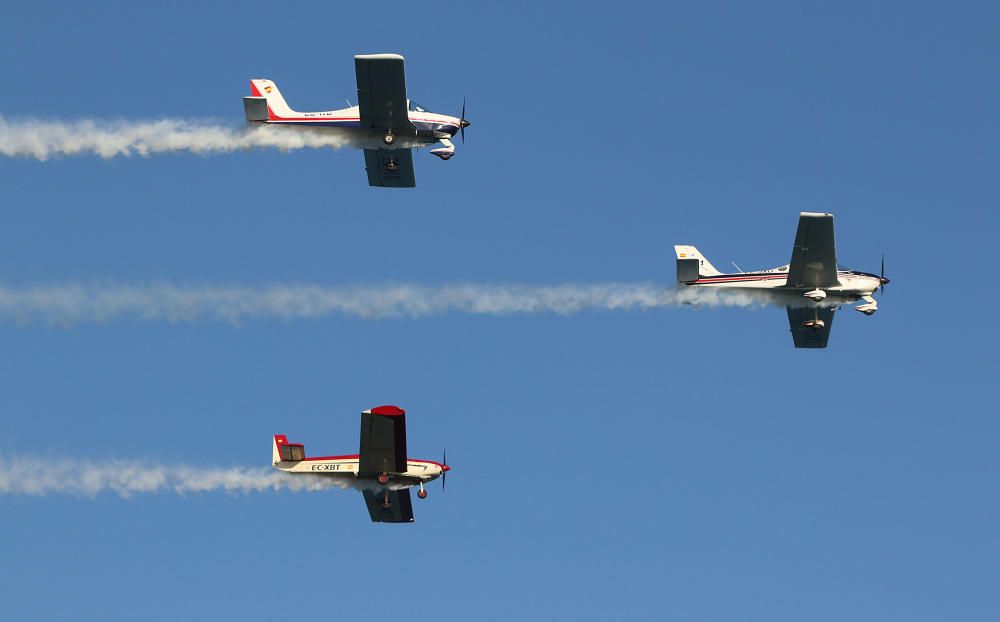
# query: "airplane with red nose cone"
{"points": [[812, 285], [385, 123], [381, 468]]}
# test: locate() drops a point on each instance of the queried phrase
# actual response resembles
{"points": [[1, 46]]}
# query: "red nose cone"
{"points": [[445, 467]]}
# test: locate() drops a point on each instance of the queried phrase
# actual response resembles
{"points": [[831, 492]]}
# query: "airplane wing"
{"points": [[805, 336], [378, 163], [382, 92], [400, 508], [814, 256], [383, 441]]}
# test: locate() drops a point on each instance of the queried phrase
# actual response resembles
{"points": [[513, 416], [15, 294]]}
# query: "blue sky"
{"points": [[671, 463]]}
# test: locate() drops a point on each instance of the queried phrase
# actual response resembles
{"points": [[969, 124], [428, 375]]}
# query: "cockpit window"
{"points": [[415, 107], [842, 267]]}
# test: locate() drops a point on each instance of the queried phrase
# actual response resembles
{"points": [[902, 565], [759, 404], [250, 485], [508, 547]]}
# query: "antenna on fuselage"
{"points": [[737, 267], [349, 104]]}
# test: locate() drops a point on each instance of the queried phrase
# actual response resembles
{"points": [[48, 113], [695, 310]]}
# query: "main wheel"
{"points": [[422, 494], [389, 138], [391, 165], [383, 478]]}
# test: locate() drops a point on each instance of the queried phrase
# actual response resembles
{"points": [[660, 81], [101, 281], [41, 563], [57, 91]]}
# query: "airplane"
{"points": [[812, 285], [385, 123], [381, 469]]}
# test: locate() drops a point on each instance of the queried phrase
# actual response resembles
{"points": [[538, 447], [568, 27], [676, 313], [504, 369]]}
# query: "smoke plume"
{"points": [[44, 139], [72, 303], [38, 477]]}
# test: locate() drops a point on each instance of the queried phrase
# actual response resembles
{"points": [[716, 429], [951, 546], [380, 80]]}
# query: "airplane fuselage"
{"points": [[431, 127], [346, 468], [852, 285]]}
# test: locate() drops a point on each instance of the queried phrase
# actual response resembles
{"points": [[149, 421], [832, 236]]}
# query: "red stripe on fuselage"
{"points": [[736, 279]]}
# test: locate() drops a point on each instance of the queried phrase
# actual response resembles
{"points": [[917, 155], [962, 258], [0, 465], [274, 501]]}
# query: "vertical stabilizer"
{"points": [[276, 105]]}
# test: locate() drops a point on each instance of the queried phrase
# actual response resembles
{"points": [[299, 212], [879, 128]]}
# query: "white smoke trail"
{"points": [[75, 303], [32, 476], [44, 139]]}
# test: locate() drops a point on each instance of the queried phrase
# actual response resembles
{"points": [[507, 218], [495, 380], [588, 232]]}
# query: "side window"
{"points": [[292, 453]]}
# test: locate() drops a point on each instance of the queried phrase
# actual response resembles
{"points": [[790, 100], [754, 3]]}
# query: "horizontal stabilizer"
{"points": [[255, 109], [691, 264]]}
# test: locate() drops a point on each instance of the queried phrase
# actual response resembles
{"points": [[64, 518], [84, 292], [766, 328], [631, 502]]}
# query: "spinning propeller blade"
{"points": [[444, 472], [881, 276], [462, 122]]}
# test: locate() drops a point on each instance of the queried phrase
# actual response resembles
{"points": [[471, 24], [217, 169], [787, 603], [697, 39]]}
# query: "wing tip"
{"points": [[378, 57]]}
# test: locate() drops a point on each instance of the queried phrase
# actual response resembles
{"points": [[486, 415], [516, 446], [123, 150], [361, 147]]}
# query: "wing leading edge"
{"points": [[814, 256]]}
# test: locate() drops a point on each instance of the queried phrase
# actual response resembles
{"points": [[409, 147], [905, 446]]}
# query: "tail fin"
{"points": [[691, 264], [276, 105]]}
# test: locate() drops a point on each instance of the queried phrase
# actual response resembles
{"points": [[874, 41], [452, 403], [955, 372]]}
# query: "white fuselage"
{"points": [[852, 285], [430, 127], [346, 468]]}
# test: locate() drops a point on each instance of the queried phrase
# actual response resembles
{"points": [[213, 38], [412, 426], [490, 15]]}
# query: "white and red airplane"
{"points": [[381, 469], [385, 123], [812, 285]]}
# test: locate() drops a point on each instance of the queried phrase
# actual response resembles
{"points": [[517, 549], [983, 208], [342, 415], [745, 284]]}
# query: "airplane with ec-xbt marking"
{"points": [[812, 274], [381, 469], [385, 123]]}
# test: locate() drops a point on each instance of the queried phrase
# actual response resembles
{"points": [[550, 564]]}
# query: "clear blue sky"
{"points": [[672, 464]]}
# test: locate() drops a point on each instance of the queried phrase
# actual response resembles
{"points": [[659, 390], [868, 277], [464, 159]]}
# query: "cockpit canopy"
{"points": [[415, 107]]}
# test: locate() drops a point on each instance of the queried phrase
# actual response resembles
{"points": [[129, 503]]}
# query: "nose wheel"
{"points": [[422, 493]]}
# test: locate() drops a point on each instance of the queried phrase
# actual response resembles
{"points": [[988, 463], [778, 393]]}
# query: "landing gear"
{"points": [[422, 493], [815, 324], [388, 138], [392, 165], [869, 307], [385, 501], [445, 152], [383, 478]]}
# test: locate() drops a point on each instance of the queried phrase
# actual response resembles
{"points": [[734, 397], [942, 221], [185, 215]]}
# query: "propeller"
{"points": [[462, 122], [882, 281], [444, 468]]}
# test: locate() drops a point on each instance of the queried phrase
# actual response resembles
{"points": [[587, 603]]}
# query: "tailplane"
{"points": [[265, 103], [283, 451], [691, 265]]}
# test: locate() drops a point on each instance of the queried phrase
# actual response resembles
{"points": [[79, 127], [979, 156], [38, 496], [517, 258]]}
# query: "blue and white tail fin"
{"points": [[266, 102], [691, 265]]}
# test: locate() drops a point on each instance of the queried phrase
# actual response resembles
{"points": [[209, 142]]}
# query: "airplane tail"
{"points": [[266, 102], [691, 264], [283, 451]]}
